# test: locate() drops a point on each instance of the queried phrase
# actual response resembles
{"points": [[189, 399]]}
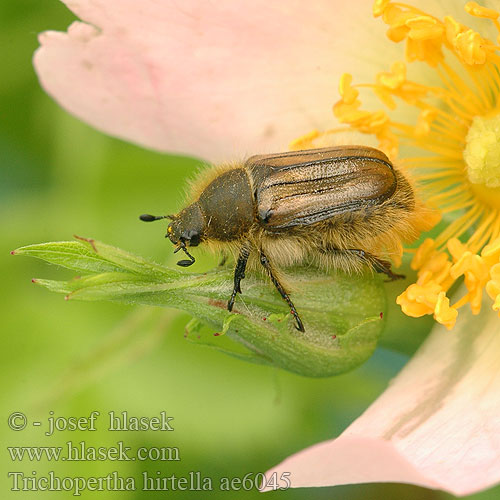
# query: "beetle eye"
{"points": [[194, 240]]}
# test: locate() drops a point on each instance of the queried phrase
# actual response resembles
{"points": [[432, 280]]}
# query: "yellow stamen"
{"points": [[304, 141], [493, 287], [458, 123], [443, 313], [474, 9]]}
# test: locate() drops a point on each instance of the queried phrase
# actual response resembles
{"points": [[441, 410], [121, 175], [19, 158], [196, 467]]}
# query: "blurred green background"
{"points": [[59, 178]]}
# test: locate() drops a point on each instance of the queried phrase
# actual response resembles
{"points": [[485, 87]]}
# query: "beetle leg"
{"points": [[380, 265], [223, 261], [384, 266], [265, 262], [239, 274]]}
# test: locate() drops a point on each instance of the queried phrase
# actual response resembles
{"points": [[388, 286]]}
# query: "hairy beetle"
{"points": [[344, 207]]}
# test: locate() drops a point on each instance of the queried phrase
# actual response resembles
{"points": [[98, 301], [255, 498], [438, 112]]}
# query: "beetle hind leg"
{"points": [[265, 262], [384, 266], [378, 265]]}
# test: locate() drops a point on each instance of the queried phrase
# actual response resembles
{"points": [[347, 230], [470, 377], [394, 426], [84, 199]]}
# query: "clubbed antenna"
{"points": [[151, 218]]}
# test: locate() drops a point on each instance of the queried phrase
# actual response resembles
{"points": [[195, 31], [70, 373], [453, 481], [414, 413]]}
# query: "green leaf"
{"points": [[343, 315], [91, 256]]}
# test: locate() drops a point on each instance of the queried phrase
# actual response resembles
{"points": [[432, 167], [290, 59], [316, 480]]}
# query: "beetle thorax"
{"points": [[227, 205]]}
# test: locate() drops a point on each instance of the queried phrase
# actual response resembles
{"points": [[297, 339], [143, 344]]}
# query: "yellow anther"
{"points": [[379, 7], [443, 313], [470, 47], [305, 141], [426, 294], [425, 119], [476, 10], [396, 18], [411, 308], [493, 287], [496, 305], [492, 250], [453, 28], [395, 78], [456, 248], [423, 253], [428, 51], [424, 28], [349, 94]]}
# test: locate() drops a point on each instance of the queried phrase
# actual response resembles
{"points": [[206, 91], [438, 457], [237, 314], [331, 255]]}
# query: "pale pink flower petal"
{"points": [[437, 425], [214, 79]]}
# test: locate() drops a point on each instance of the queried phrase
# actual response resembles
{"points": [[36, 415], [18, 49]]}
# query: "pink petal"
{"points": [[437, 425], [214, 79]]}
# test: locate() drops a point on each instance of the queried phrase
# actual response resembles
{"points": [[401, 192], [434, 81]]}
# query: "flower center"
{"points": [[482, 151], [482, 156]]}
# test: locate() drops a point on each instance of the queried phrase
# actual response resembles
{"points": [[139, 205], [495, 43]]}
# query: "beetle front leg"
{"points": [[281, 290], [239, 274]]}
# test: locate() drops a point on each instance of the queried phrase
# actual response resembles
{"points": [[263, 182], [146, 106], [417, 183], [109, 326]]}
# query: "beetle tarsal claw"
{"points": [[298, 322], [185, 263]]}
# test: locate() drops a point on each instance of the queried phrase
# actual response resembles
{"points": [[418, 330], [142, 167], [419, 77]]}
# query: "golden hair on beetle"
{"points": [[344, 207]]}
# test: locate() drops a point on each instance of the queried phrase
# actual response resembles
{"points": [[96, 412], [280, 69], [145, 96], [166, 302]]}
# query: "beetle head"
{"points": [[186, 230]]}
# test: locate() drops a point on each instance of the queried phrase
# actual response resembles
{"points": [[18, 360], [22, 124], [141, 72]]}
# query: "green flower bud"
{"points": [[343, 315]]}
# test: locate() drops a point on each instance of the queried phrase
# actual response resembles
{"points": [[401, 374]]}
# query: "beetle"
{"points": [[343, 207]]}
